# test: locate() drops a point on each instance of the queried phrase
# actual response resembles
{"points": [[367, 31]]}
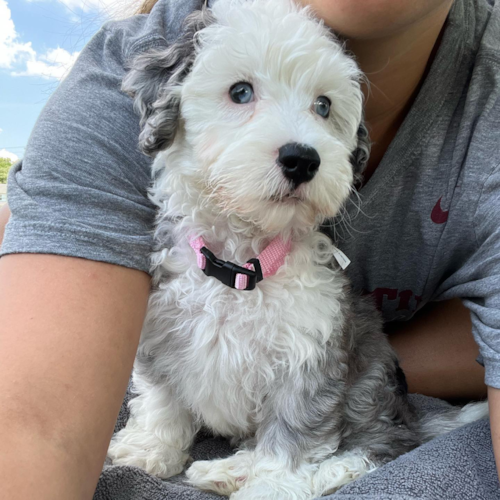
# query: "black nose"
{"points": [[299, 162]]}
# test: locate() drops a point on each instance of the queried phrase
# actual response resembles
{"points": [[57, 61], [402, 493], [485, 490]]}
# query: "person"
{"points": [[424, 241]]}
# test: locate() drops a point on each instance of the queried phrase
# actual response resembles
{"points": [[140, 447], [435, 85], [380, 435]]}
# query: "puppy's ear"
{"points": [[361, 154], [155, 80]]}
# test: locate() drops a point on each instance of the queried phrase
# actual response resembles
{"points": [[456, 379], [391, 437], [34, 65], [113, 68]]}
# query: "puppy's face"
{"points": [[270, 109]]}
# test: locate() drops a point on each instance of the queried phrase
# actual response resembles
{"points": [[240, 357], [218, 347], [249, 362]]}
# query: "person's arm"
{"points": [[71, 305], [69, 330], [4, 218], [494, 406], [438, 353]]}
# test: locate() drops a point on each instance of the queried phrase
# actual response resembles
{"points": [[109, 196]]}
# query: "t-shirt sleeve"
{"points": [[477, 281], [483, 298], [81, 189]]}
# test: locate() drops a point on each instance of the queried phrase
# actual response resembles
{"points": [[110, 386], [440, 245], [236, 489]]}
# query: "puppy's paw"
{"points": [[273, 479], [339, 470], [138, 448], [223, 476], [262, 488]]}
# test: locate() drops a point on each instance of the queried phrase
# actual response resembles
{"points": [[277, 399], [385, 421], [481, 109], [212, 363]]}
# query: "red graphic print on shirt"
{"points": [[438, 215]]}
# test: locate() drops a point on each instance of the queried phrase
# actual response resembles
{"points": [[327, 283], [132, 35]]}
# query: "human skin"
{"points": [[494, 405], [68, 336], [70, 327], [4, 218], [393, 42]]}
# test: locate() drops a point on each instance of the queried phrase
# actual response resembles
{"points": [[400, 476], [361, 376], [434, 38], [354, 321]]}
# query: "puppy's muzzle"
{"points": [[298, 162]]}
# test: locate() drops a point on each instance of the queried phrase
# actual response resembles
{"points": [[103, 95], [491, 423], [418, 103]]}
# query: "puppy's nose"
{"points": [[299, 163]]}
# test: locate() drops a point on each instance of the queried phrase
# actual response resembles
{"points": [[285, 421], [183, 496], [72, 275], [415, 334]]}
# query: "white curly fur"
{"points": [[217, 350]]}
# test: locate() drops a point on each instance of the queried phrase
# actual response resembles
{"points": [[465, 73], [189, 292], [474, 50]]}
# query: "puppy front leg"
{"points": [[298, 430], [158, 435]]}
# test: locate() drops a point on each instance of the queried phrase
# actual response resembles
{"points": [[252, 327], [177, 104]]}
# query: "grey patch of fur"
{"points": [[377, 415], [361, 154], [446, 420], [155, 80], [352, 400], [301, 414]]}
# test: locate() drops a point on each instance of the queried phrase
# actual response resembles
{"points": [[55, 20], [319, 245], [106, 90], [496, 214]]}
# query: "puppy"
{"points": [[255, 119]]}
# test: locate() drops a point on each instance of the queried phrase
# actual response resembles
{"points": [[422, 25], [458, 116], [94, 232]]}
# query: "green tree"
{"points": [[5, 165]]}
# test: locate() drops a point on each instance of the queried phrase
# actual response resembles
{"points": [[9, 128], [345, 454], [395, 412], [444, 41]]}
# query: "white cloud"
{"points": [[7, 154], [111, 8], [1, 130], [54, 64], [87, 5], [11, 50], [23, 60]]}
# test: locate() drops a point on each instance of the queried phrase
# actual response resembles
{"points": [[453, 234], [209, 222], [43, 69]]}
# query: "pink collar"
{"points": [[242, 277]]}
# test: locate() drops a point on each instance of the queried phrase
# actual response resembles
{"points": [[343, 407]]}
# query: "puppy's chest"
{"points": [[218, 319], [225, 349], [230, 347], [249, 334]]}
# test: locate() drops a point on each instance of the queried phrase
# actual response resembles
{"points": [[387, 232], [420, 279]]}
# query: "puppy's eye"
{"points": [[241, 93], [322, 106]]}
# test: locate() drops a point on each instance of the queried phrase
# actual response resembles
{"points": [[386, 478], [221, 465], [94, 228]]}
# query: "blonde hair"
{"points": [[146, 6]]}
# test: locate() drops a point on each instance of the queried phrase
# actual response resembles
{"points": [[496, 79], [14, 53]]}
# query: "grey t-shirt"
{"points": [[427, 226]]}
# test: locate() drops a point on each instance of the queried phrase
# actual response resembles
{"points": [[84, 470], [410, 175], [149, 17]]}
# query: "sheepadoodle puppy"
{"points": [[255, 119]]}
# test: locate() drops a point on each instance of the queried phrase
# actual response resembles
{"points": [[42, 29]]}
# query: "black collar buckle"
{"points": [[226, 271]]}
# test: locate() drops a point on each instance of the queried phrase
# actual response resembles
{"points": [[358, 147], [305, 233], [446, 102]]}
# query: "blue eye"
{"points": [[322, 106], [241, 93]]}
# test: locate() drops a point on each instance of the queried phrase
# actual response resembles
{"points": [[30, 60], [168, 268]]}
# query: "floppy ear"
{"points": [[361, 154], [155, 80]]}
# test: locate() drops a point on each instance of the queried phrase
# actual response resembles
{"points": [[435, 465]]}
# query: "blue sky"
{"points": [[39, 41]]}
